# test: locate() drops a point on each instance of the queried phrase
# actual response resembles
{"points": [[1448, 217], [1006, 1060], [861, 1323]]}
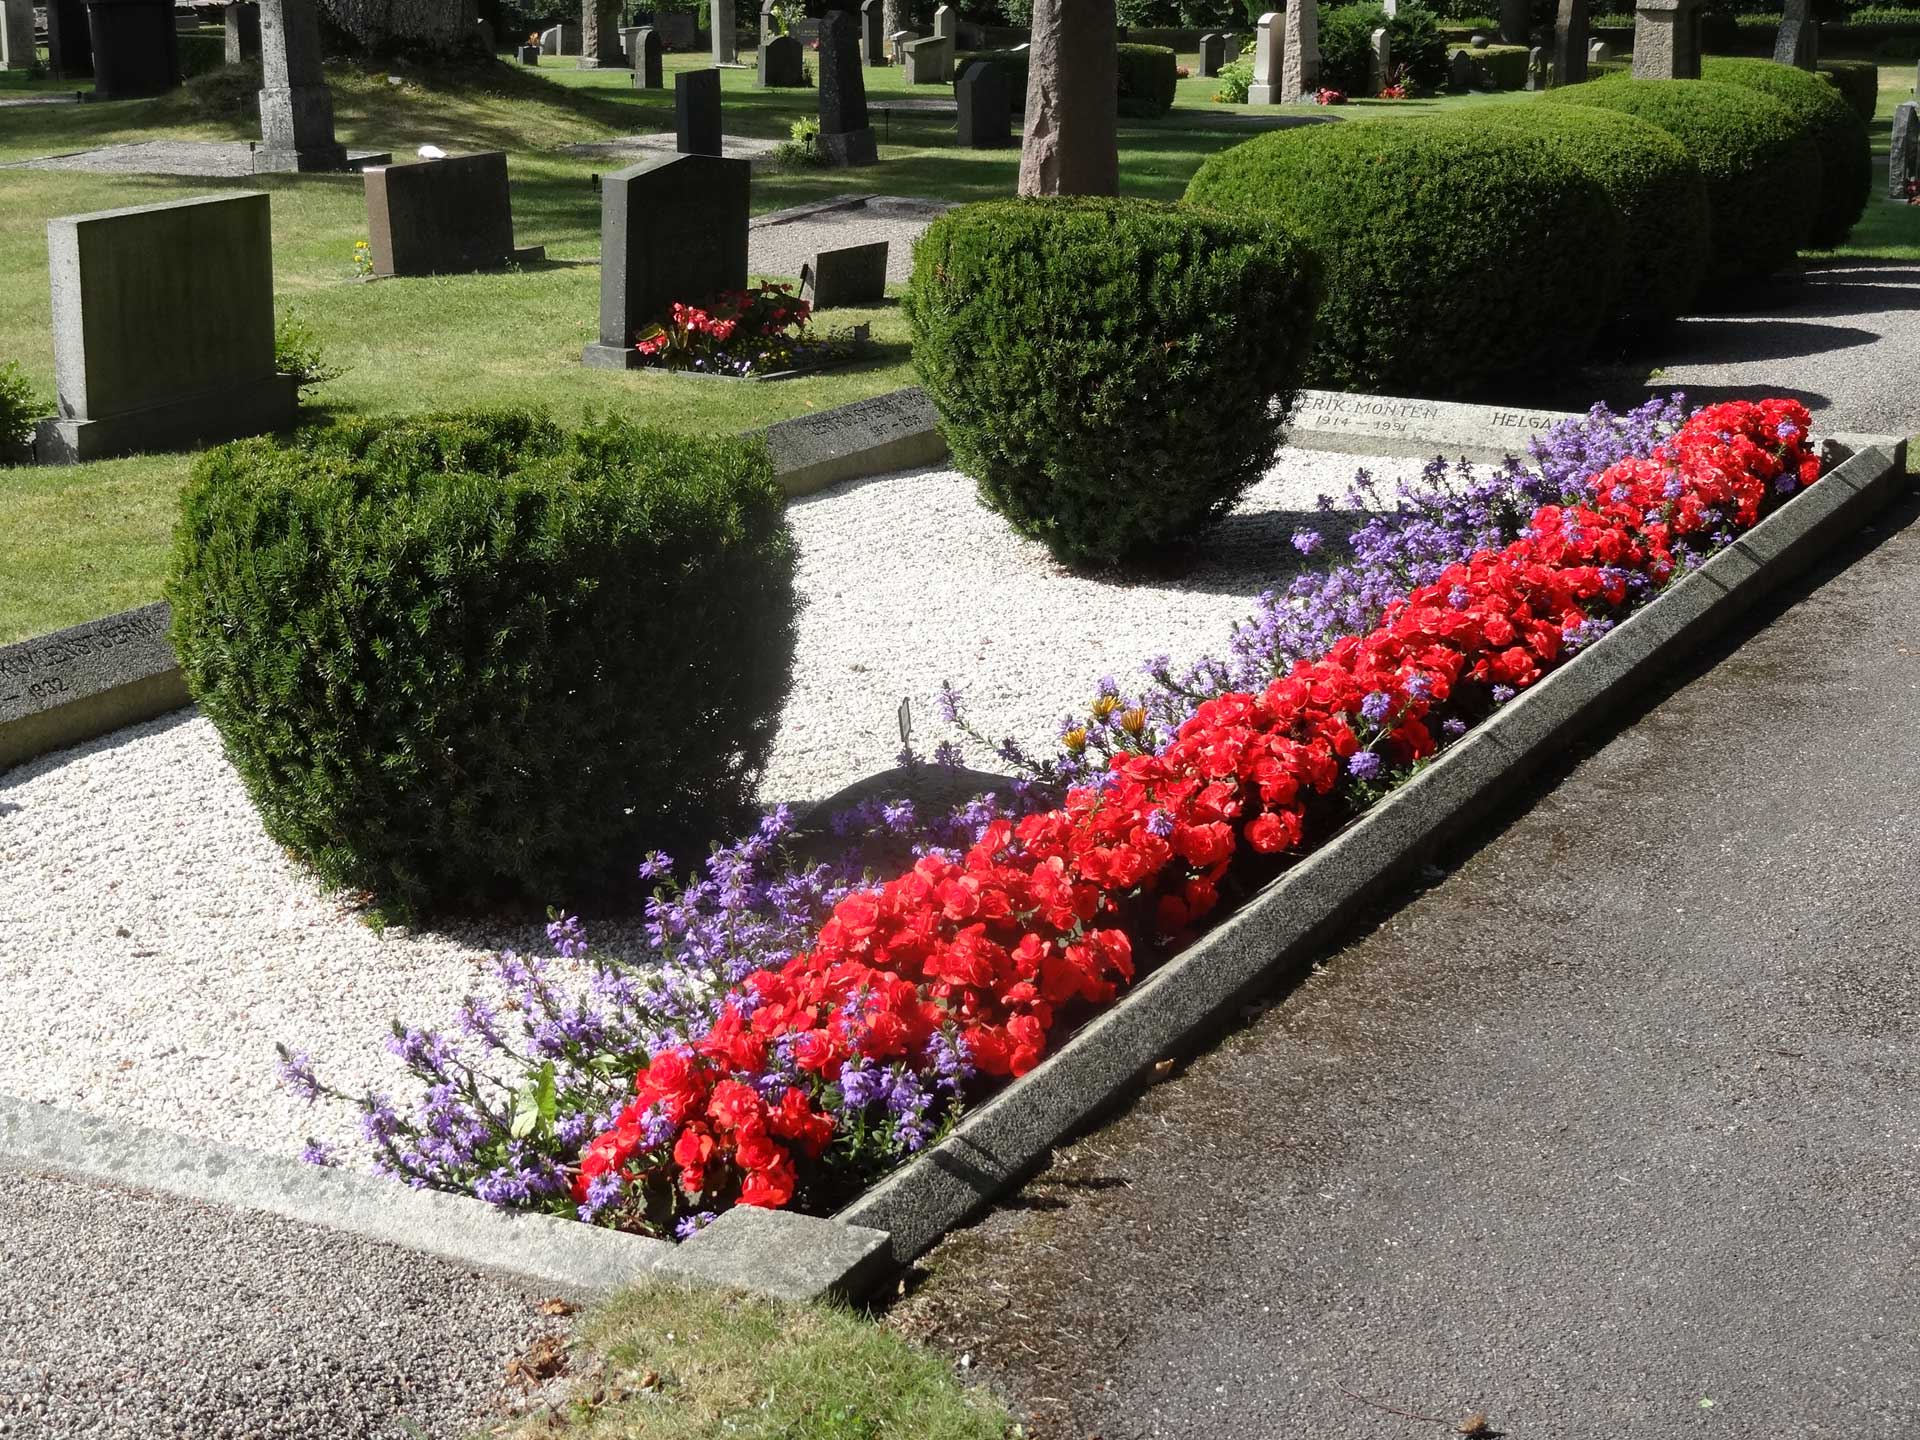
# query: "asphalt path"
{"points": [[1611, 1130]]}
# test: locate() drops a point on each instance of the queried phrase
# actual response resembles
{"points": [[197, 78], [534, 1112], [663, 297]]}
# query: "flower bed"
{"points": [[788, 1062], [743, 333]]}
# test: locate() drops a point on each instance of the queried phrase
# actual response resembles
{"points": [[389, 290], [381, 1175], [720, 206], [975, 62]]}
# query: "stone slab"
{"points": [[60, 689], [895, 431], [253, 407], [788, 1256], [1389, 425], [449, 216], [853, 275], [1180, 1005]]}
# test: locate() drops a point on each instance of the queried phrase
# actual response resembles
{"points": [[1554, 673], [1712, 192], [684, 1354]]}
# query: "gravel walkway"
{"points": [[1610, 1132], [781, 248], [757, 150], [155, 944], [133, 1315], [209, 159]]}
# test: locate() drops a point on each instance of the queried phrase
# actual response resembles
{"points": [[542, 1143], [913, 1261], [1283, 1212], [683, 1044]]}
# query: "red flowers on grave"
{"points": [[966, 967], [739, 332], [1329, 96]]}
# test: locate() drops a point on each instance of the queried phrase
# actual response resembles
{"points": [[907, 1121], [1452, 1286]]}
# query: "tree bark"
{"points": [[1073, 101], [445, 26]]}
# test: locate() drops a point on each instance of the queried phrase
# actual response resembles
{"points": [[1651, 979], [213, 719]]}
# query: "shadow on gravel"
{"points": [[1697, 341]]}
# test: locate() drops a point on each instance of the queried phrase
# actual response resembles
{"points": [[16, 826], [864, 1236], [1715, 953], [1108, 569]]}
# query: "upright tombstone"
{"points": [[873, 40], [242, 25], [669, 230], [1460, 71], [1903, 152], [899, 41], [1380, 60], [845, 136], [643, 49], [986, 106], [769, 20], [17, 50], [163, 328], [696, 112], [1269, 45], [600, 35], [562, 39], [136, 50], [1213, 54], [296, 110], [1537, 68], [946, 25], [679, 29], [1599, 52], [69, 39], [1570, 43], [782, 66], [1300, 66], [726, 39], [930, 61], [853, 275], [1514, 22], [1798, 43], [451, 216], [1666, 40]]}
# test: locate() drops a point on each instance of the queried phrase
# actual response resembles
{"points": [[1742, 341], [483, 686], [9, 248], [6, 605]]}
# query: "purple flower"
{"points": [[1363, 765], [1453, 727], [1306, 541], [1503, 693], [316, 1153], [655, 866], [296, 1073], [691, 1225], [568, 935], [1376, 707], [862, 1083]]}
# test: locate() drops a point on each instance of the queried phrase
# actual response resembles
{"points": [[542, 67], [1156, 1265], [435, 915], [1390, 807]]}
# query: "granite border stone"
{"points": [[85, 681]]}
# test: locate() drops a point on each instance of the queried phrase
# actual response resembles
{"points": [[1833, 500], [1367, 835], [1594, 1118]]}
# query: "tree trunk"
{"points": [[444, 27], [893, 18], [1073, 101]]}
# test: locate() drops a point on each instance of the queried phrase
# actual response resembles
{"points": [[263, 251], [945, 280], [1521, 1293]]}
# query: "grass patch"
{"points": [[664, 1363], [1887, 231]]}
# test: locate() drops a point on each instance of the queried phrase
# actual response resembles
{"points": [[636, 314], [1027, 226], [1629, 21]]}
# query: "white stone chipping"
{"points": [[154, 943]]}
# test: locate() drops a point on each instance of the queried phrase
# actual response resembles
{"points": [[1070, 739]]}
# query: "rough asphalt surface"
{"points": [[1613, 1130], [133, 1315]]}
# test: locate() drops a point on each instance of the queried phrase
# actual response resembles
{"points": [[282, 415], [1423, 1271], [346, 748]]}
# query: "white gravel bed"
{"points": [[154, 944]]}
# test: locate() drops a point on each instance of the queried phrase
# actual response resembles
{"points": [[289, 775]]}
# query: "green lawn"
{"points": [[85, 541]]}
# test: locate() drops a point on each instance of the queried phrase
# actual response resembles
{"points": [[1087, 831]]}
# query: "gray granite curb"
{"points": [[1190, 1000]]}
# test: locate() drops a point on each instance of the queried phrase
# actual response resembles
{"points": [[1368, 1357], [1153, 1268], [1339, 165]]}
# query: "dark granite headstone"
{"points": [[644, 47], [781, 64], [136, 49], [986, 105], [873, 40], [1903, 152], [60, 689], [441, 217], [1213, 54], [1460, 71], [1570, 43], [845, 136], [853, 275], [69, 39], [242, 22], [696, 112], [679, 29], [899, 429], [669, 230], [296, 107], [529, 54]]}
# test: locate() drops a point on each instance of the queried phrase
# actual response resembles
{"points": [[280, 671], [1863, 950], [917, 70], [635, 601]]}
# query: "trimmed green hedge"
{"points": [[1498, 67], [1418, 224], [1113, 374], [1346, 46], [464, 656], [1148, 74], [1762, 173], [1667, 223], [1858, 82], [1825, 118]]}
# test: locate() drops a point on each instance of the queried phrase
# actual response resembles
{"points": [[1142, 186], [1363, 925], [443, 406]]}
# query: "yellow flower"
{"points": [[1105, 706], [1134, 721], [1076, 739]]}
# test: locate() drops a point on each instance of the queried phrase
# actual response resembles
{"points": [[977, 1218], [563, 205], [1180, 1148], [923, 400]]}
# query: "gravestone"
{"points": [[670, 230], [163, 328], [1798, 42], [296, 109], [1390, 425], [930, 61], [1903, 151], [136, 50], [17, 50], [529, 54], [600, 35], [1300, 66], [853, 275], [643, 49], [1269, 44], [946, 26], [1460, 71], [1666, 40], [900, 39], [1213, 54], [678, 29], [726, 39], [1380, 60], [60, 689], [1570, 43], [185, 19], [873, 44], [1599, 52], [898, 430], [696, 112], [780, 64], [769, 20], [1514, 22], [986, 106], [1536, 68], [845, 136], [450, 216], [242, 24], [69, 39], [562, 39]]}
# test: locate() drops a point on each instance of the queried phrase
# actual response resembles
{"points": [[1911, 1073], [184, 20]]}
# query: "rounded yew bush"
{"points": [[1113, 374], [467, 657], [1825, 118], [1762, 172], [1654, 184], [1455, 255]]}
